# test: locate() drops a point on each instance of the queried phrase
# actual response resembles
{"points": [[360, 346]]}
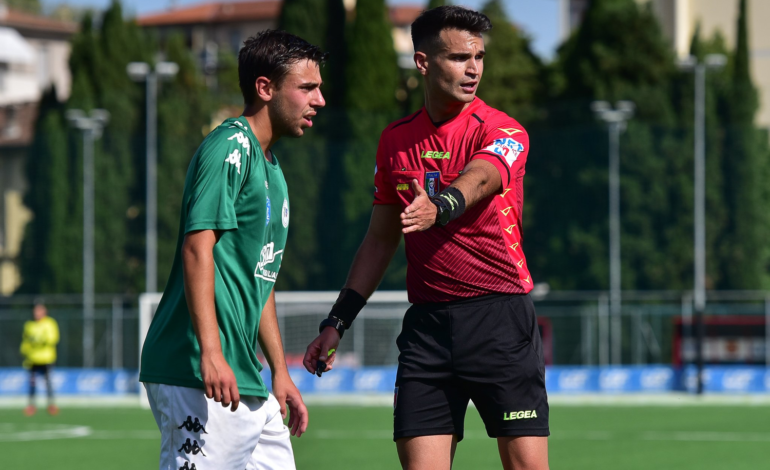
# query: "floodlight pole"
{"points": [[616, 123], [699, 68], [92, 127], [141, 71]]}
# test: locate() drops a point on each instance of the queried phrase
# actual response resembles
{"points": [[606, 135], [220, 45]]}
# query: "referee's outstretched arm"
{"points": [[366, 272], [479, 180]]}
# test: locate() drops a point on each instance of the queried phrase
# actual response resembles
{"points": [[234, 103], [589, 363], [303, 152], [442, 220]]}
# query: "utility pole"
{"points": [[616, 122], [91, 126], [691, 64], [143, 72]]}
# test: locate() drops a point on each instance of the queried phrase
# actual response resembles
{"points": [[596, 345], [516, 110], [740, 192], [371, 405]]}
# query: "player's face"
{"points": [[454, 70], [39, 312], [297, 99]]}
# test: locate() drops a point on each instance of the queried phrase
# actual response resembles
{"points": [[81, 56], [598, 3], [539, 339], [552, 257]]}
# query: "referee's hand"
{"points": [[318, 350], [420, 215]]}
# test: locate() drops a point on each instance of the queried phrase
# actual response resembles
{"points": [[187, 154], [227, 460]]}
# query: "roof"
{"points": [[240, 11], [21, 20], [404, 15], [229, 12]]}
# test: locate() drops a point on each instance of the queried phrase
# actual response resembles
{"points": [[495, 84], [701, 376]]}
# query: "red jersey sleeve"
{"points": [[384, 191], [505, 144]]}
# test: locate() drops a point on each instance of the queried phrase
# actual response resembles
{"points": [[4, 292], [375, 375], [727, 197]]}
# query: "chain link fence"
{"points": [[577, 328]]}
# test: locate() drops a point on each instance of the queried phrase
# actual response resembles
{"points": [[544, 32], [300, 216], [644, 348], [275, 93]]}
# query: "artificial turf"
{"points": [[583, 437]]}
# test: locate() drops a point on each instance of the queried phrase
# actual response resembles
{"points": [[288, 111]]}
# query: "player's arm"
{"points": [[366, 272], [198, 267], [479, 180], [283, 387]]}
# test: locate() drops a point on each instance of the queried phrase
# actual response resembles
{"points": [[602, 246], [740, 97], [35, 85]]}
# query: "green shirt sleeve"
{"points": [[218, 171]]}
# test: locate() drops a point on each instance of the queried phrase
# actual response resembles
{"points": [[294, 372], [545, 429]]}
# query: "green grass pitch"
{"points": [[583, 437]]}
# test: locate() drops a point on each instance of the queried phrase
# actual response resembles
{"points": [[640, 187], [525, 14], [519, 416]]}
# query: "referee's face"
{"points": [[453, 70], [297, 99]]}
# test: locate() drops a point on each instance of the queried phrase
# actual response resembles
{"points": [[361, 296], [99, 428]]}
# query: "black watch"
{"points": [[442, 213], [335, 323]]}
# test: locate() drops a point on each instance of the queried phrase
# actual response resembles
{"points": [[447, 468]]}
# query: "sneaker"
{"points": [[53, 410], [30, 410]]}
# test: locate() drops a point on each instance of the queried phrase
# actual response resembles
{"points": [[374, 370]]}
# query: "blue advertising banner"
{"points": [[559, 379]]}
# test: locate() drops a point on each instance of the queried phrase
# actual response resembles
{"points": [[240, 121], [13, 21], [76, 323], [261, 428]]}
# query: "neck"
{"points": [[441, 109], [258, 118]]}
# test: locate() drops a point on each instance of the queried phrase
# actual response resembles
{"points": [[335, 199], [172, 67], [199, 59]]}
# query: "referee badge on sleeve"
{"points": [[432, 183]]}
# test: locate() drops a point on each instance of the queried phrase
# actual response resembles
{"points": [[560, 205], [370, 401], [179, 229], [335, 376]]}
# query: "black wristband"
{"points": [[347, 307], [453, 200], [335, 323]]}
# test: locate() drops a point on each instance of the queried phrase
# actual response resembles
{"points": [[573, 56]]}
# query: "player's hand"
{"points": [[219, 380], [287, 394], [318, 350], [420, 214]]}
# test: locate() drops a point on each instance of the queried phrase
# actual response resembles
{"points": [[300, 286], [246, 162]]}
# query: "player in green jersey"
{"points": [[200, 353]]}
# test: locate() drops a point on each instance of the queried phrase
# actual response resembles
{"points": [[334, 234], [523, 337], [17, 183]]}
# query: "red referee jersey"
{"points": [[479, 253]]}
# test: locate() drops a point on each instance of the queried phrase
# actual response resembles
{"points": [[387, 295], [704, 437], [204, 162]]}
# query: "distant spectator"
{"points": [[38, 346]]}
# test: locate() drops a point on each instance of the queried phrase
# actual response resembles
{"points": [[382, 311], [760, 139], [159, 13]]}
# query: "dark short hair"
{"points": [[426, 29], [271, 54]]}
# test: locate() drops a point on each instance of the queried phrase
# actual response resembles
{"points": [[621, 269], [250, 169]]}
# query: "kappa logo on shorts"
{"points": [[529, 414], [193, 448], [185, 467], [193, 426]]}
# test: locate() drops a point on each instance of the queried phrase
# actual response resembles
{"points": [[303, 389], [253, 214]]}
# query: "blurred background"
{"points": [[639, 113]]}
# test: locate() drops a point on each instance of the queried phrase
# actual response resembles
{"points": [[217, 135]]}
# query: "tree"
{"points": [[619, 52], [28, 6], [184, 107], [305, 18], [372, 77], [513, 77], [45, 266], [435, 4], [745, 250]]}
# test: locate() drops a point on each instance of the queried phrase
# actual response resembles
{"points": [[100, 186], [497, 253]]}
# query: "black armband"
{"points": [[346, 309], [451, 205]]}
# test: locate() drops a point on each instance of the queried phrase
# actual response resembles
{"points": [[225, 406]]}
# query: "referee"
{"points": [[450, 179]]}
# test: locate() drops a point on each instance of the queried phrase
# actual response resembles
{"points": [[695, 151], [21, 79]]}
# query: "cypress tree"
{"points": [[512, 78], [745, 249], [305, 18], [184, 107], [436, 3], [45, 264]]}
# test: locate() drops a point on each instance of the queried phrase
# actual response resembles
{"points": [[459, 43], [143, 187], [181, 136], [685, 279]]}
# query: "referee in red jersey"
{"points": [[450, 179]]}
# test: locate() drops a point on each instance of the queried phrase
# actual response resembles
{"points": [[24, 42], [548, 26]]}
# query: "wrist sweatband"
{"points": [[348, 304], [453, 200]]}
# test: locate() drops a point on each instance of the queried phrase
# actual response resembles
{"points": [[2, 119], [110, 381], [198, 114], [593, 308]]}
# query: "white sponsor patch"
{"points": [[508, 148]]}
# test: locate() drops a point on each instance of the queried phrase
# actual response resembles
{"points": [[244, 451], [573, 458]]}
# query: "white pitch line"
{"points": [[52, 432], [707, 436]]}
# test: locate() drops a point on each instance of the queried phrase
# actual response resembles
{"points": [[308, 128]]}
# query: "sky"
{"points": [[539, 18]]}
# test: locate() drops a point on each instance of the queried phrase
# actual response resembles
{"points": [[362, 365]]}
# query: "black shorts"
{"points": [[486, 349], [40, 368]]}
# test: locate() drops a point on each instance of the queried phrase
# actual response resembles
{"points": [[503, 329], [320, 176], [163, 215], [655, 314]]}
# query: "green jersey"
{"points": [[232, 187]]}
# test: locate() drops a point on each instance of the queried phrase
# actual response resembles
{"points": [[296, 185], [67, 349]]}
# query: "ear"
{"points": [[421, 61], [264, 88]]}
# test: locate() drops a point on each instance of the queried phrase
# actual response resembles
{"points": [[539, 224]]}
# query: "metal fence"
{"points": [[577, 328]]}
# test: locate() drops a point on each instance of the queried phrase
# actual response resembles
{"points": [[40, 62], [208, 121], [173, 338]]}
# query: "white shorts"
{"points": [[199, 433]]}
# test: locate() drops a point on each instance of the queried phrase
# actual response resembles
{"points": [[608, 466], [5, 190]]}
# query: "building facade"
{"points": [[680, 18], [34, 55]]}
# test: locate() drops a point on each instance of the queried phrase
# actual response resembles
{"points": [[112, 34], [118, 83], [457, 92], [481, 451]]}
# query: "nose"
{"points": [[318, 100], [473, 68]]}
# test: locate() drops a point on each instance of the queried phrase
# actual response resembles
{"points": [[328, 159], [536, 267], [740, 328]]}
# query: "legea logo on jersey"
{"points": [[436, 155], [267, 257], [509, 149]]}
